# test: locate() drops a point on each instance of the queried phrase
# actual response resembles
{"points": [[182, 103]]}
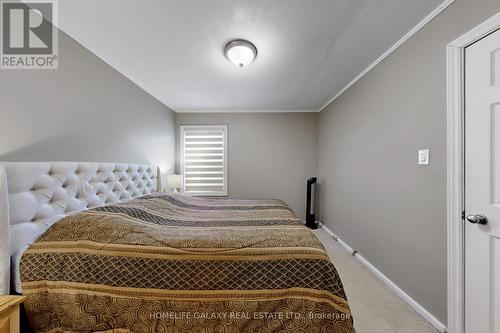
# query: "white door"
{"points": [[482, 185]]}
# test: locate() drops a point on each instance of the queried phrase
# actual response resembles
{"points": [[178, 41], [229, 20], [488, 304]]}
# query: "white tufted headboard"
{"points": [[36, 194]]}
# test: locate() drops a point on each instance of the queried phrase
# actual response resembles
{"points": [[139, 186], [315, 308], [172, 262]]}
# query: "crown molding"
{"points": [[400, 42], [244, 111]]}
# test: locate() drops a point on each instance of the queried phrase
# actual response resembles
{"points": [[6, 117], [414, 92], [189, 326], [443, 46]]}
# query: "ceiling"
{"points": [[309, 50]]}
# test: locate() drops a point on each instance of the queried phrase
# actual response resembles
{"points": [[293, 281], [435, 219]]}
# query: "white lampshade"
{"points": [[174, 181]]}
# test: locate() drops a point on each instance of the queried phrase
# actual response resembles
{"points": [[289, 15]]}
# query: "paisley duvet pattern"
{"points": [[173, 263]]}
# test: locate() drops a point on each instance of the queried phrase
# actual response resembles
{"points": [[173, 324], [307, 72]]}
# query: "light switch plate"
{"points": [[423, 157]]}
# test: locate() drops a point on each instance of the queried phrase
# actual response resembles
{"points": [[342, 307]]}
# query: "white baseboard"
{"points": [[411, 302]]}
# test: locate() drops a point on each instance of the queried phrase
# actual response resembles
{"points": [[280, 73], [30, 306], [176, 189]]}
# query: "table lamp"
{"points": [[174, 182]]}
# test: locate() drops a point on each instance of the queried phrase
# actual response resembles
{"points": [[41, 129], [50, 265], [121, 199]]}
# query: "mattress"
{"points": [[173, 263]]}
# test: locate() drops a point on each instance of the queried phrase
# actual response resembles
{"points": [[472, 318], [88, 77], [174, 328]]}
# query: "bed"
{"points": [[116, 254]]}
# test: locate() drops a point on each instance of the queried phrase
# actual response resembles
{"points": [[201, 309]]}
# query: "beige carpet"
{"points": [[375, 308]]}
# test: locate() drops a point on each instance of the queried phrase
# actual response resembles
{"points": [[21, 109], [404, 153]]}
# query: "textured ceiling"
{"points": [[308, 49]]}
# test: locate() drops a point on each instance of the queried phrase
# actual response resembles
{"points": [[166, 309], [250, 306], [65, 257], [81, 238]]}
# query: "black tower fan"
{"points": [[311, 203]]}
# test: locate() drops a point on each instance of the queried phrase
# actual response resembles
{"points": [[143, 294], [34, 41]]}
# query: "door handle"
{"points": [[477, 219]]}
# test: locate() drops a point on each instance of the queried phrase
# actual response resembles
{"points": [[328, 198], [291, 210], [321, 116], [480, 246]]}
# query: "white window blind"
{"points": [[203, 159]]}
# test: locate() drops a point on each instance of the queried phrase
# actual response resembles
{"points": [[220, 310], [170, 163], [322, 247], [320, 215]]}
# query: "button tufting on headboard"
{"points": [[39, 191], [35, 195]]}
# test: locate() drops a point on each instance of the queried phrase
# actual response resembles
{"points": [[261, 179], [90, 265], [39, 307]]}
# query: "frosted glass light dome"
{"points": [[240, 52]]}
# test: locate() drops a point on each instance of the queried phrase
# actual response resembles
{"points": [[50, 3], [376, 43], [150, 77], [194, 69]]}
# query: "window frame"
{"points": [[224, 192]]}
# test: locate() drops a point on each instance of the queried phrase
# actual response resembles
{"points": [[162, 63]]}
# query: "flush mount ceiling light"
{"points": [[240, 52]]}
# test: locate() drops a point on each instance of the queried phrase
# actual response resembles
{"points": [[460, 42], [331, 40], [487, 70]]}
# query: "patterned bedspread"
{"points": [[173, 263]]}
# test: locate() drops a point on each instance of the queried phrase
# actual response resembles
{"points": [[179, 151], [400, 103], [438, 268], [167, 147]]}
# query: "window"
{"points": [[203, 159]]}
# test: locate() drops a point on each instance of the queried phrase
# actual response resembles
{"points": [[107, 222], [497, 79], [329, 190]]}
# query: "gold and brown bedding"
{"points": [[173, 263]]}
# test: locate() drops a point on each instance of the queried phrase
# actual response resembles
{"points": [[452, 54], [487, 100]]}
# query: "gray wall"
{"points": [[374, 196], [269, 154], [83, 111]]}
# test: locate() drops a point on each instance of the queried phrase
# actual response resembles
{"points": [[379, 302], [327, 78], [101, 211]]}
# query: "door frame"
{"points": [[455, 58]]}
